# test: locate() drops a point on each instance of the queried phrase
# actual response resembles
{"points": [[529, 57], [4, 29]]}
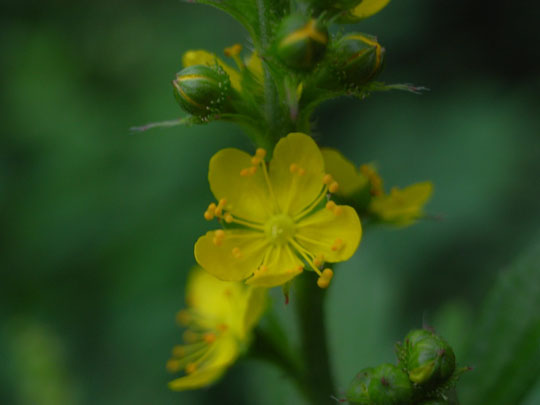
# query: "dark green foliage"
{"points": [[505, 349]]}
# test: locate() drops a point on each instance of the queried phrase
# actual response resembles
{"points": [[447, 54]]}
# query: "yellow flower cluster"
{"points": [[220, 317]]}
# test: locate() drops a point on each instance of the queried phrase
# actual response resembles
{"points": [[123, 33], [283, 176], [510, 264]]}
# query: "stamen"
{"points": [[245, 172], [190, 337], [191, 368], [260, 153], [209, 337], [208, 215], [301, 171], [327, 179], [333, 187], [331, 206], [252, 170], [219, 235], [178, 351], [173, 365], [319, 260], [328, 274], [228, 218], [323, 282], [293, 168], [338, 245], [305, 255], [183, 317], [237, 254]]}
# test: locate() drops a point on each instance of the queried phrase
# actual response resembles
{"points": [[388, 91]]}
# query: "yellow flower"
{"points": [[220, 317], [402, 207], [202, 57], [277, 216], [344, 171], [367, 8]]}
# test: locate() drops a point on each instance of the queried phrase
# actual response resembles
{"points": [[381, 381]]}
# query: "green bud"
{"points": [[430, 360], [301, 42], [359, 58], [201, 90], [383, 385]]}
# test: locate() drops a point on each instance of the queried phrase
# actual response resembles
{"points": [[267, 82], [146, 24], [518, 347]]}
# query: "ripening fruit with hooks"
{"points": [[359, 58], [383, 385], [301, 42], [429, 359], [202, 90]]}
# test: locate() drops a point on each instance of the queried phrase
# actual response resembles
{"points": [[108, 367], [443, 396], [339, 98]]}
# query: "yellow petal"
{"points": [[223, 355], [343, 171], [336, 237], [201, 57], [282, 266], [257, 299], [212, 298], [247, 196], [254, 65], [402, 207], [368, 7], [221, 262], [293, 191]]}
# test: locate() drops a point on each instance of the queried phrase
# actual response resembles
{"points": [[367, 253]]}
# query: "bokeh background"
{"points": [[98, 223]]}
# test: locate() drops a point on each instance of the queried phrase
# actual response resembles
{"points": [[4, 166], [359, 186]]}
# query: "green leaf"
{"points": [[505, 349]]}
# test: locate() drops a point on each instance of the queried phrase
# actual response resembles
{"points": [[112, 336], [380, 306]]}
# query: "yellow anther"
{"points": [[209, 337], [222, 327], [260, 153], [228, 218], [222, 202], [338, 210], [301, 171], [209, 215], [338, 244], [178, 351], [333, 187], [255, 160], [219, 235], [327, 274], [323, 282], [173, 365], [293, 168], [191, 368], [252, 170], [327, 179], [237, 254], [245, 172], [190, 336], [330, 205], [183, 317], [211, 207], [319, 260], [233, 50]]}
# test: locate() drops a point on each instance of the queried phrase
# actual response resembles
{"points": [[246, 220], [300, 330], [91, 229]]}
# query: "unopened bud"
{"points": [[430, 360], [383, 385], [202, 90], [359, 58], [301, 42]]}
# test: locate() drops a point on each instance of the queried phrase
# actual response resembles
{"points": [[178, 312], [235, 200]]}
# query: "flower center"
{"points": [[279, 229]]}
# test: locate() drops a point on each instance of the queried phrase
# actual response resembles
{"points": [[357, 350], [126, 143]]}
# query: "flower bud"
{"points": [[430, 360], [359, 58], [301, 42], [383, 385], [201, 90]]}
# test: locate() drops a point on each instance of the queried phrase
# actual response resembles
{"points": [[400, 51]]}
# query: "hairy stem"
{"points": [[310, 311]]}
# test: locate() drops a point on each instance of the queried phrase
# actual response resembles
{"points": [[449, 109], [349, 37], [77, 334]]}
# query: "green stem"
{"points": [[309, 302]]}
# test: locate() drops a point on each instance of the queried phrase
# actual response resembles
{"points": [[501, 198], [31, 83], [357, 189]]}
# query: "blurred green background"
{"points": [[98, 224]]}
